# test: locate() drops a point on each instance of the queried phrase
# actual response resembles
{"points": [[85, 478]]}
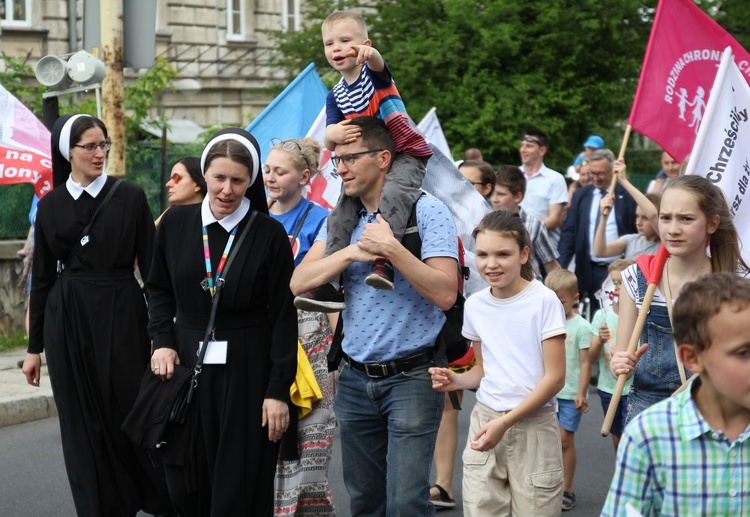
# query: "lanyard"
{"points": [[210, 283]]}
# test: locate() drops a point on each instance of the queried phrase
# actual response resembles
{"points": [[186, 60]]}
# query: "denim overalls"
{"points": [[656, 374]]}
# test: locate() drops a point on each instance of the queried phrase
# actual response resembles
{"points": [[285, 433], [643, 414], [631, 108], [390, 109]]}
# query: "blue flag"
{"points": [[292, 112]]}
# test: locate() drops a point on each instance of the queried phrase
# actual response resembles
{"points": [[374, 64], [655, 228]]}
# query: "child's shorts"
{"points": [[622, 411], [568, 416]]}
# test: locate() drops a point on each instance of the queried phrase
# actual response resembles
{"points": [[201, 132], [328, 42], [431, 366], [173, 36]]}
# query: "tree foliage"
{"points": [[494, 68]]}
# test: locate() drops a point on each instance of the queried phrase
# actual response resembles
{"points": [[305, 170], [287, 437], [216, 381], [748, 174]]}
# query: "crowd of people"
{"points": [[566, 269]]}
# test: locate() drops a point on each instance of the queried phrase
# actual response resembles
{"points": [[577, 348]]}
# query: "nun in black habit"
{"points": [[228, 467], [88, 314]]}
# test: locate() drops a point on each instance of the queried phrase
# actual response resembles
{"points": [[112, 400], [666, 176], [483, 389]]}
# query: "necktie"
{"points": [[603, 192]]}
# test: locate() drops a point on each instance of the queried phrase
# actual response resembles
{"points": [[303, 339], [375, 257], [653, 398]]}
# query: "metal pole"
{"points": [[113, 86]]}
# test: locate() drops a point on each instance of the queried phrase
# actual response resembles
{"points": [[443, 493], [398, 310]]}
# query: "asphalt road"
{"points": [[33, 479]]}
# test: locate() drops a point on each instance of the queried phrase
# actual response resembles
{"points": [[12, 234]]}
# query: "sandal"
{"points": [[442, 499]]}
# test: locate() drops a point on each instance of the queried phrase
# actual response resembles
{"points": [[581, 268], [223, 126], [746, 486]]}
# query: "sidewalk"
{"points": [[20, 402]]}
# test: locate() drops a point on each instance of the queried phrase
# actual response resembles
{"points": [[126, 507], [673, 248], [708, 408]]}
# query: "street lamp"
{"points": [[186, 85]]}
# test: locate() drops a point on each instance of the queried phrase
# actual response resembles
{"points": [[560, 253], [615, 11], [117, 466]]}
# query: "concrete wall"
{"points": [[12, 300]]}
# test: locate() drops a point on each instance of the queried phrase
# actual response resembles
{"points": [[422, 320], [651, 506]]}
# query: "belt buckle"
{"points": [[379, 370]]}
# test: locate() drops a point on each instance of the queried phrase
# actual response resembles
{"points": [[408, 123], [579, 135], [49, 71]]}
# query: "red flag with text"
{"points": [[24, 146], [681, 61]]}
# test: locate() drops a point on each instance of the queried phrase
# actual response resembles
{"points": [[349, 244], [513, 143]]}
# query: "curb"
{"points": [[19, 409]]}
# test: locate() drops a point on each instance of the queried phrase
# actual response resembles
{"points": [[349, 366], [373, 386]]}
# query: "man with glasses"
{"points": [[386, 408], [584, 217], [546, 191]]}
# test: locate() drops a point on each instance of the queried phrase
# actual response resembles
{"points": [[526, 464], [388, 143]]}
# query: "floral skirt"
{"points": [[302, 486]]}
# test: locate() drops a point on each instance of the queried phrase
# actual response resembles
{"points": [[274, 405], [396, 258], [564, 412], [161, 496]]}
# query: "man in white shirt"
{"points": [[546, 191]]}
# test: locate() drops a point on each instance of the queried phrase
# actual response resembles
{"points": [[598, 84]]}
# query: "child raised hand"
{"points": [[367, 54]]}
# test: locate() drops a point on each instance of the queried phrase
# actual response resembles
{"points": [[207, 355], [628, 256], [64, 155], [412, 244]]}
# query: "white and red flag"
{"points": [[721, 153], [24, 146], [682, 59]]}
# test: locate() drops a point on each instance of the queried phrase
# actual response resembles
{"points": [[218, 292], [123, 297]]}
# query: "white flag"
{"points": [[432, 131], [721, 152], [324, 189]]}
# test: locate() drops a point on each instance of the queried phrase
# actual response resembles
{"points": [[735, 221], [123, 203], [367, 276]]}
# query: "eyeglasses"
{"points": [[478, 183], [289, 145], [175, 178], [532, 139], [349, 159], [90, 148], [617, 283]]}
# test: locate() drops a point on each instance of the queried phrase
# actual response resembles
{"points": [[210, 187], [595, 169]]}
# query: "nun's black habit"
{"points": [[90, 320], [229, 468]]}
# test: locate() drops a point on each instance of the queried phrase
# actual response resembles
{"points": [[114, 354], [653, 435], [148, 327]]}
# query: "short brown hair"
{"points": [[486, 172], [512, 178], [701, 300], [562, 280], [338, 16]]}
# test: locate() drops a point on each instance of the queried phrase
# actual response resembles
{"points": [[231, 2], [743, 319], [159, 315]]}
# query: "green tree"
{"points": [[494, 68], [14, 78]]}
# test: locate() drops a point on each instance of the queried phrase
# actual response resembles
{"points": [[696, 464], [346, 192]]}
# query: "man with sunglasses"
{"points": [[387, 411], [546, 191]]}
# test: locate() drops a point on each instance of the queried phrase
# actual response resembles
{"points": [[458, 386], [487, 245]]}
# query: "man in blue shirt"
{"points": [[387, 411]]}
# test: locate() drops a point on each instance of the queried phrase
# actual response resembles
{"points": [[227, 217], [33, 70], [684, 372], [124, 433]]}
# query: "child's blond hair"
{"points": [[562, 281], [338, 16], [619, 265]]}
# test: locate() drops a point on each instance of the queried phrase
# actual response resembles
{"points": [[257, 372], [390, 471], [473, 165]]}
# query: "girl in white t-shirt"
{"points": [[513, 459]]}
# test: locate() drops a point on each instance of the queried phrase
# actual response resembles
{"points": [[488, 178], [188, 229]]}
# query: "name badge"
{"points": [[216, 353]]}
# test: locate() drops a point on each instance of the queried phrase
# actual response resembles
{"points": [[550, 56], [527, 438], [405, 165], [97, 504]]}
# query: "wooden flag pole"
{"points": [[653, 281], [624, 145]]}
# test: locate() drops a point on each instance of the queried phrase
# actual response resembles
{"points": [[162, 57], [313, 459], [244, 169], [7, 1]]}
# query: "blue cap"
{"points": [[594, 141]]}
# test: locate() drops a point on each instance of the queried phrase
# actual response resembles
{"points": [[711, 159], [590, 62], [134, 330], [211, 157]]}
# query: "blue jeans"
{"points": [[388, 430], [656, 374]]}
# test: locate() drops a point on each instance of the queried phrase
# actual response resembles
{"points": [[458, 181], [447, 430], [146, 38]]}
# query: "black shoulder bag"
{"points": [[168, 402]]}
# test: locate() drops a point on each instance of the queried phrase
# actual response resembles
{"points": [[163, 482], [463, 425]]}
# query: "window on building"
{"points": [[235, 18], [15, 12], [290, 18]]}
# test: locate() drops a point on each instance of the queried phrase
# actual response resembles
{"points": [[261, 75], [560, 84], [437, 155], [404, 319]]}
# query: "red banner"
{"points": [[18, 166], [681, 61]]}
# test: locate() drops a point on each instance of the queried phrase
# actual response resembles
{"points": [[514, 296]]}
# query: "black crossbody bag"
{"points": [[169, 402]]}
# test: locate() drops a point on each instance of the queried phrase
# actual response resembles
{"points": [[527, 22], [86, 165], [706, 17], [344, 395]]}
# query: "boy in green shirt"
{"points": [[571, 401]]}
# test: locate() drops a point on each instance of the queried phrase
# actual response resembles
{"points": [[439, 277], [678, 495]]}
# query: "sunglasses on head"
{"points": [[531, 139], [288, 146]]}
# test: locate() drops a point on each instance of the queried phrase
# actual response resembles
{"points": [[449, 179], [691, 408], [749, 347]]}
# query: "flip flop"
{"points": [[442, 499]]}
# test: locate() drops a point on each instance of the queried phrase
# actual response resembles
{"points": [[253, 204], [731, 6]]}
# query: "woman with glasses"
{"points": [[186, 185], [88, 314], [302, 483]]}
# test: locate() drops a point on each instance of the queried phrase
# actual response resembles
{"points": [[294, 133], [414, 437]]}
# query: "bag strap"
{"points": [[336, 353], [301, 222], [217, 294], [87, 229]]}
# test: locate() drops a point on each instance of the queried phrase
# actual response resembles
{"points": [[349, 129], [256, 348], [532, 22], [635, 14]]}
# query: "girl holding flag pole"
{"points": [[693, 216]]}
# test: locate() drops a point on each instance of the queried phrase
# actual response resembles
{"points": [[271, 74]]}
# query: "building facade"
{"points": [[222, 44]]}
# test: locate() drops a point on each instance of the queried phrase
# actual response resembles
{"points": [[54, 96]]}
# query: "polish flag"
{"points": [[682, 58]]}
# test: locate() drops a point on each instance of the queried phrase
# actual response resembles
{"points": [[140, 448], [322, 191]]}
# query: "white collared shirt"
{"points": [[610, 232], [76, 189], [229, 221]]}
